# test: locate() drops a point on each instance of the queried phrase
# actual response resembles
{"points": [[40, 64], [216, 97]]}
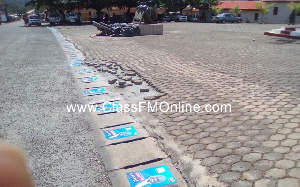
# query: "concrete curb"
{"points": [[121, 155]]}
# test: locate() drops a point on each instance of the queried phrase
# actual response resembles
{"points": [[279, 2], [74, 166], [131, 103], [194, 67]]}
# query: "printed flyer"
{"points": [[125, 132], [109, 107], [83, 71], [151, 177], [89, 79], [93, 91]]}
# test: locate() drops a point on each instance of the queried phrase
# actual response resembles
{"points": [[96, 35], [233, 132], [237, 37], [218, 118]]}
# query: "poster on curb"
{"points": [[93, 91], [125, 132], [89, 79], [83, 71], [74, 64], [151, 177], [109, 107]]}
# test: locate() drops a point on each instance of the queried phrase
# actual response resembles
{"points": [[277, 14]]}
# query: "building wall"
{"points": [[3, 18], [282, 16]]}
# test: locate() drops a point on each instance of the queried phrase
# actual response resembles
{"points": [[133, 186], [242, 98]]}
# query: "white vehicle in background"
{"points": [[178, 17], [34, 20]]}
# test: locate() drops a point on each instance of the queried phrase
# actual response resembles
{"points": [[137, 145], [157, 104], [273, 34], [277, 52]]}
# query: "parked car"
{"points": [[166, 18], [226, 17], [178, 17], [55, 18], [34, 20], [192, 19], [71, 18]]}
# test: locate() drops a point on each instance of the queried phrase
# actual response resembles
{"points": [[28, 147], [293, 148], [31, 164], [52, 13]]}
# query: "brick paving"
{"points": [[258, 143]]}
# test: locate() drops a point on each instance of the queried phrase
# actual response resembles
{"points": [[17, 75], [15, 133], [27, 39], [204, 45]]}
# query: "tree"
{"points": [[216, 10], [98, 5], [173, 5], [294, 6], [1, 3], [263, 8], [56, 5], [209, 3], [235, 10], [14, 8]]}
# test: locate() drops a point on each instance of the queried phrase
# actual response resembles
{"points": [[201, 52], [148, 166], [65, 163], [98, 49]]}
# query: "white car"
{"points": [[178, 17], [34, 20]]}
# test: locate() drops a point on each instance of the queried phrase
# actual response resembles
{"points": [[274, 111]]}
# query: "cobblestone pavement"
{"points": [[257, 144]]}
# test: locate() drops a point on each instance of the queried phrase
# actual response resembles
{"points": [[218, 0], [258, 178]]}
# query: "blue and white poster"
{"points": [[89, 79], [125, 132], [108, 107], [74, 64], [83, 71], [92, 91], [151, 177]]}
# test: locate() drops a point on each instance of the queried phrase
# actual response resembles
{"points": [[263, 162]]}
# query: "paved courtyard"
{"points": [[258, 143]]}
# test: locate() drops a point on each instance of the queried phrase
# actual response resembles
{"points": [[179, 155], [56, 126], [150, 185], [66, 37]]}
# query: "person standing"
{"points": [[95, 17], [292, 18]]}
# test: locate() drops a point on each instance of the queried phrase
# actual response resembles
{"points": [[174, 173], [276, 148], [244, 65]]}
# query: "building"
{"points": [[278, 14], [249, 10], [3, 16]]}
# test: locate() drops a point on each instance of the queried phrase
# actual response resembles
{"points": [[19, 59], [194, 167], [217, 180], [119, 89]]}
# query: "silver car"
{"points": [[226, 17]]}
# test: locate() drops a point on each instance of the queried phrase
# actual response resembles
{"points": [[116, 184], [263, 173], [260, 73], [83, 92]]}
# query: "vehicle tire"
{"points": [[177, 20], [223, 21], [51, 24]]}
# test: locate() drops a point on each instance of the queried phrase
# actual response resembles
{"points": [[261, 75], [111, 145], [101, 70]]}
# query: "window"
{"points": [[275, 11], [256, 17]]}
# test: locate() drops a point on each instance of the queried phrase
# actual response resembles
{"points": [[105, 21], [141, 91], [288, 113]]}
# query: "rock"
{"points": [[96, 65], [137, 81], [144, 90], [127, 78], [108, 65], [129, 84], [150, 97], [112, 81], [113, 72], [121, 82], [130, 73], [104, 69]]}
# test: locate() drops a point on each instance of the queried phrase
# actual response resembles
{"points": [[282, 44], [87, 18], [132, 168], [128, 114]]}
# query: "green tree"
{"points": [[263, 8], [56, 5], [216, 10], [14, 8], [173, 5], [124, 4], [98, 5], [208, 3], [294, 6], [235, 10]]}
